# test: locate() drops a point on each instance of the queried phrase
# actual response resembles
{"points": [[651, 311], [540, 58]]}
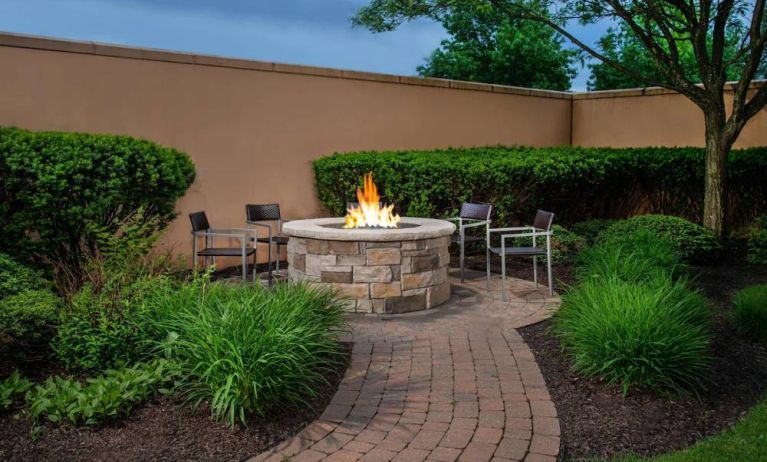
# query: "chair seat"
{"points": [[519, 250], [225, 251], [457, 238], [279, 240]]}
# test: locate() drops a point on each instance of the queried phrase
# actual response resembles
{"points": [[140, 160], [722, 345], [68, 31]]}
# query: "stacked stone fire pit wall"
{"points": [[376, 277]]}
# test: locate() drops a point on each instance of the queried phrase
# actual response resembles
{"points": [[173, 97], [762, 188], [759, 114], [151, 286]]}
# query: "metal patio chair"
{"points": [[471, 215], [541, 228], [263, 216], [201, 229]]}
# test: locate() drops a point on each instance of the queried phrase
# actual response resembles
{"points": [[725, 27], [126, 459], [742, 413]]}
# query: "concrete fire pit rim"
{"points": [[315, 228]]}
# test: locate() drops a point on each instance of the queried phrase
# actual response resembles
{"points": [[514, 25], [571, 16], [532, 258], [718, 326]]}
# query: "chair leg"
{"points": [[463, 257], [503, 277], [535, 271], [487, 262], [551, 284], [269, 264], [278, 258]]}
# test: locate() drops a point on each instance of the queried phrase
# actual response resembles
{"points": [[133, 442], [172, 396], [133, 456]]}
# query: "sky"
{"points": [[309, 32]]}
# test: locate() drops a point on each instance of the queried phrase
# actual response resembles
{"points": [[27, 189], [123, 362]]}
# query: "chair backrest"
{"points": [[199, 221], [543, 220], [476, 211], [262, 212]]}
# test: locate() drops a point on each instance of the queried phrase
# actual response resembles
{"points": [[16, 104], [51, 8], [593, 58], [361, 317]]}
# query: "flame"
{"points": [[369, 212]]}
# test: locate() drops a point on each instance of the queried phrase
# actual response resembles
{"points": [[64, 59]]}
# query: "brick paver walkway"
{"points": [[455, 383]]}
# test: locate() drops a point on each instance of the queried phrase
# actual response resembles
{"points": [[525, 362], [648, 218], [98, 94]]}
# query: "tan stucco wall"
{"points": [[656, 118], [252, 128], [251, 133]]}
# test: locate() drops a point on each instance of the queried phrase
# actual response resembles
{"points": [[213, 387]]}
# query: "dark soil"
{"points": [[162, 430], [598, 422]]}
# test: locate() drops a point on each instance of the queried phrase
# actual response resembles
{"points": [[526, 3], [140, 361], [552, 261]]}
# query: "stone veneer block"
{"points": [[381, 271]]}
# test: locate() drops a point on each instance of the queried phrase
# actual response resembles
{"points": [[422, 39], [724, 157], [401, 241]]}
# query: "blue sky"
{"points": [[312, 32]]}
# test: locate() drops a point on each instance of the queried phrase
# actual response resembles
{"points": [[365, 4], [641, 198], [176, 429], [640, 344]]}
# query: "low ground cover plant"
{"points": [[246, 349], [29, 310], [576, 183], [633, 320], [107, 397], [693, 243], [757, 242], [12, 390], [750, 312]]}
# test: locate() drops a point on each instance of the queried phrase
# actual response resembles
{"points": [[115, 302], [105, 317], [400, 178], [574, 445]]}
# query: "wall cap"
{"points": [[36, 42]]}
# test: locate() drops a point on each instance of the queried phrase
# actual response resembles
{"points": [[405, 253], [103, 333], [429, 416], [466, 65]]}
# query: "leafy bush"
{"points": [[757, 242], [244, 348], [59, 188], [647, 335], [576, 183], [750, 312], [638, 256], [590, 229], [99, 331], [110, 396], [693, 242], [12, 390], [16, 278], [565, 244], [28, 320]]}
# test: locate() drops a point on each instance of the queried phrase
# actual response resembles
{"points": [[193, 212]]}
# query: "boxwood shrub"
{"points": [[692, 242], [576, 183], [60, 189]]}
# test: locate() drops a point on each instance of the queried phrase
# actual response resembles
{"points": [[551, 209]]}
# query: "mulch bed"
{"points": [[598, 422], [162, 430]]}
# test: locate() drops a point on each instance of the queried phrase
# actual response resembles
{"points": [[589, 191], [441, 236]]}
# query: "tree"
{"points": [[485, 46], [663, 28], [621, 44]]}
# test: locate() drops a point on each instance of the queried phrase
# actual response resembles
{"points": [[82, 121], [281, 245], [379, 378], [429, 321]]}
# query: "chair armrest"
{"points": [[478, 223], [533, 234], [515, 228], [241, 236]]}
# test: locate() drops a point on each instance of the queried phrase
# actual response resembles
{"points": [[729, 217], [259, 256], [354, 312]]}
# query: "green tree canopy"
{"points": [[485, 46]]}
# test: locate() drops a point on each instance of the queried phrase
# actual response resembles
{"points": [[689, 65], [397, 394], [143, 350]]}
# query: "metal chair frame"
{"points": [[270, 234], [517, 232], [471, 223], [244, 235]]}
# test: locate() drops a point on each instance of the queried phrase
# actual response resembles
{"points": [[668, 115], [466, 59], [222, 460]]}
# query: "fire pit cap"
{"points": [[329, 229]]}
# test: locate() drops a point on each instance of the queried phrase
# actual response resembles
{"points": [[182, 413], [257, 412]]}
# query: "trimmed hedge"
{"points": [[692, 242], [58, 191], [576, 183]]}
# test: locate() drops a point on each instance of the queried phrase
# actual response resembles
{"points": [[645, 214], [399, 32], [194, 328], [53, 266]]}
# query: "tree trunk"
{"points": [[715, 197]]}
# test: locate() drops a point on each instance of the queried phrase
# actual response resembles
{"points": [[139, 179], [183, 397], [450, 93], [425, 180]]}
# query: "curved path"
{"points": [[455, 383]]}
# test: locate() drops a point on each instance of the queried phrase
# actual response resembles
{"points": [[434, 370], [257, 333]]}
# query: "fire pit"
{"points": [[394, 267]]}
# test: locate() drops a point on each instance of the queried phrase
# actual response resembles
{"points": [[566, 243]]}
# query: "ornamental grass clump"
{"points": [[750, 312], [635, 256], [633, 319], [245, 349], [652, 335]]}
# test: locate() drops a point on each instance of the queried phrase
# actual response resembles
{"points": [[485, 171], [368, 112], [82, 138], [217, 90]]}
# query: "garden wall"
{"points": [[253, 128]]}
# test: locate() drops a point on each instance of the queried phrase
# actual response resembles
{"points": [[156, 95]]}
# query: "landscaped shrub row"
{"points": [[576, 183], [633, 318], [61, 189]]}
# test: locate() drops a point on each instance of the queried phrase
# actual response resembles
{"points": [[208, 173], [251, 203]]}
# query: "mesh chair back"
{"points": [[476, 211], [199, 221], [543, 220], [262, 212]]}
